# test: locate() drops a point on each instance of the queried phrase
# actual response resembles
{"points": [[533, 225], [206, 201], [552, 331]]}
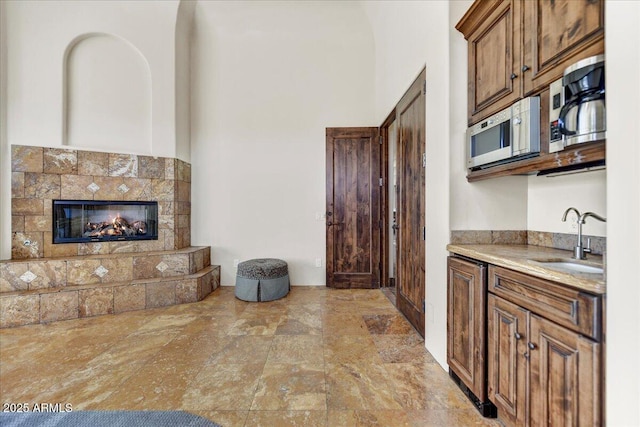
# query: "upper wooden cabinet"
{"points": [[516, 48], [558, 33], [493, 31]]}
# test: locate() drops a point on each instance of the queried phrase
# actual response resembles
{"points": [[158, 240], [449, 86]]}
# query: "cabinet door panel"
{"points": [[466, 291], [565, 376], [506, 338], [494, 58], [557, 34]]}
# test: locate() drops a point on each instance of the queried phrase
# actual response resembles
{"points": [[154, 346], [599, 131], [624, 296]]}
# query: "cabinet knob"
{"points": [[517, 336], [525, 68], [532, 346], [526, 355], [513, 76]]}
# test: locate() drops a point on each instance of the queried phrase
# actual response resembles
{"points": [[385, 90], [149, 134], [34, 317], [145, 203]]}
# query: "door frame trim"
{"points": [[384, 198]]}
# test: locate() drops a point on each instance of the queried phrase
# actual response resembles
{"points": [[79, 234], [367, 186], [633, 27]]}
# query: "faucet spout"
{"points": [[586, 215], [564, 217]]}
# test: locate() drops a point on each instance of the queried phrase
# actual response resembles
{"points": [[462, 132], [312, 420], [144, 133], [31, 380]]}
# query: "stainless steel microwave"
{"points": [[510, 134]]}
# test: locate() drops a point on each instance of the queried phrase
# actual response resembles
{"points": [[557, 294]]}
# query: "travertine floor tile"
{"points": [[318, 357], [285, 386]]}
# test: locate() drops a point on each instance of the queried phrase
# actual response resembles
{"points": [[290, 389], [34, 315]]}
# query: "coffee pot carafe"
{"points": [[582, 117]]}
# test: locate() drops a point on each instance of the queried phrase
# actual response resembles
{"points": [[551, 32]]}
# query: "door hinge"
{"points": [[424, 233], [424, 160], [424, 306], [380, 182], [380, 139], [424, 87]]}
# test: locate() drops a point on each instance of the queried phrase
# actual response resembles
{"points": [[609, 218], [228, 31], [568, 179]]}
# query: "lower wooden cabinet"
{"points": [[539, 372], [466, 349]]}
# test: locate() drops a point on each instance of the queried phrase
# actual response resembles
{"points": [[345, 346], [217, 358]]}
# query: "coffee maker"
{"points": [[582, 116]]}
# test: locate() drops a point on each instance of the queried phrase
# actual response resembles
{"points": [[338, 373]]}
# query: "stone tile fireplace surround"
{"points": [[45, 282]]}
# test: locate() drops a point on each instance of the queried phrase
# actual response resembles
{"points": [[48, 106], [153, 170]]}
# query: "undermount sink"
{"points": [[573, 266]]}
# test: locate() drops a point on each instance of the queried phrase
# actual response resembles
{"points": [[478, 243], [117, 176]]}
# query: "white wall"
{"points": [[550, 197], [623, 212], [267, 79], [34, 38]]}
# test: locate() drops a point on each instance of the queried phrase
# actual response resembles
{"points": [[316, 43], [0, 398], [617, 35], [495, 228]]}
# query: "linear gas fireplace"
{"points": [[76, 221]]}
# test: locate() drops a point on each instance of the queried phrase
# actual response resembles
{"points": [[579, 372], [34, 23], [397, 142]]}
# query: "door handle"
{"points": [[330, 223]]}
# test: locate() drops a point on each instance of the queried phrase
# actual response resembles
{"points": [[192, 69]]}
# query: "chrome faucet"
{"points": [[580, 252]]}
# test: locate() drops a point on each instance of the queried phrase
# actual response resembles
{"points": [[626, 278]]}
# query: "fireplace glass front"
{"points": [[76, 221]]}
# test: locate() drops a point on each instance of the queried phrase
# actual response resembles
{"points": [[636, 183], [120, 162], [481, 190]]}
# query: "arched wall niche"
{"points": [[107, 95]]}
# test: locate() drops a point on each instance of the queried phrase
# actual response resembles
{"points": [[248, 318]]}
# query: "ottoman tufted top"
{"points": [[263, 268]]}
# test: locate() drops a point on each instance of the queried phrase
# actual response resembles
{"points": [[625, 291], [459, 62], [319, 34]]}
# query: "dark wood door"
{"points": [[466, 302], [353, 208], [557, 34], [565, 376], [410, 277], [507, 332], [493, 32]]}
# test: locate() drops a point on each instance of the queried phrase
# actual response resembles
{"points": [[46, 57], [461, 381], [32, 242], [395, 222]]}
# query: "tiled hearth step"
{"points": [[46, 305], [39, 273]]}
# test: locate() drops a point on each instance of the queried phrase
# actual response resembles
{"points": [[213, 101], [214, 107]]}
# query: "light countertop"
{"points": [[526, 259]]}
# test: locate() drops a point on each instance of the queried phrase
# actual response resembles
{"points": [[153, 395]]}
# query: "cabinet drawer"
{"points": [[568, 307]]}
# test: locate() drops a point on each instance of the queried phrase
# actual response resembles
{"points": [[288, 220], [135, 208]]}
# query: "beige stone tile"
{"points": [[41, 185], [123, 165], [60, 161], [301, 320], [183, 191], [58, 306], [26, 159], [38, 223], [170, 168], [27, 245], [291, 386], [388, 324], [225, 418], [58, 250], [161, 294], [93, 163], [478, 237], [95, 302], [76, 187], [163, 189], [17, 185], [151, 167], [439, 418], [129, 298], [108, 188], [120, 269], [344, 324], [243, 350], [186, 291], [350, 349], [145, 267], [223, 387], [19, 310], [10, 276], [166, 207], [136, 189], [93, 248], [27, 207], [183, 208], [183, 171], [359, 385], [17, 223], [509, 237], [296, 349], [402, 348], [351, 418], [82, 271], [256, 324], [50, 274], [286, 418]]}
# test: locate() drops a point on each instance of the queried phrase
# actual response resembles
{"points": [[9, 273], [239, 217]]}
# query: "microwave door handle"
{"points": [[563, 116]]}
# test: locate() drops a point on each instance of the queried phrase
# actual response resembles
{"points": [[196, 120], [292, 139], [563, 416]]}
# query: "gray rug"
{"points": [[104, 419]]}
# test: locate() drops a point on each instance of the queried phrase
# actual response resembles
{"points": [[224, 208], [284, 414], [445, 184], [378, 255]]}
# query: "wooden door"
{"points": [[466, 302], [557, 34], [410, 275], [565, 376], [353, 207], [507, 332], [493, 32]]}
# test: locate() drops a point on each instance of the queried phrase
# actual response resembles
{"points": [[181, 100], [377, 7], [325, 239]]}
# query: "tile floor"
{"points": [[319, 357]]}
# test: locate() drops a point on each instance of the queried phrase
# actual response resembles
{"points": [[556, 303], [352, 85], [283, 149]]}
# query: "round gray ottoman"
{"points": [[262, 279]]}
